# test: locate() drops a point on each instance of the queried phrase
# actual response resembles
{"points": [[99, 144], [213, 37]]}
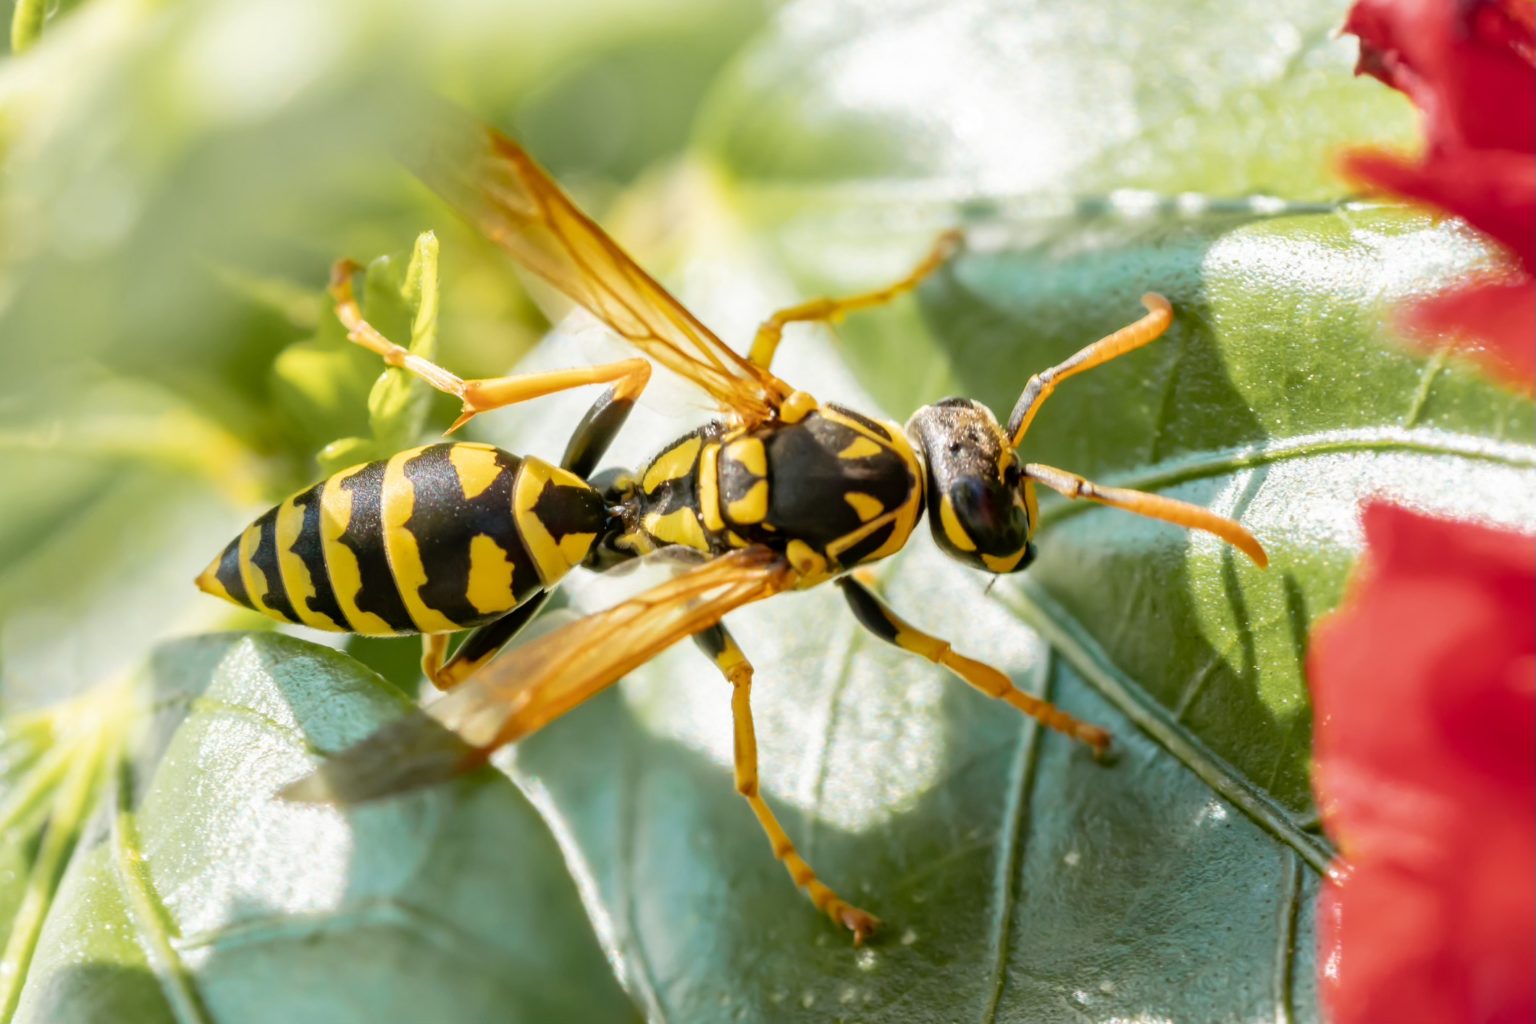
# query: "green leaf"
{"points": [[1020, 880], [198, 896], [322, 382]]}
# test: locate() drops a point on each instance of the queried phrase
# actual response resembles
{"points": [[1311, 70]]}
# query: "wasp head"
{"points": [[979, 505]]}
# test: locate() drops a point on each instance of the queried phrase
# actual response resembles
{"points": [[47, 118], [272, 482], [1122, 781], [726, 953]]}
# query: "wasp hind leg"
{"points": [[766, 343], [722, 650], [484, 643], [628, 376], [877, 617], [434, 647]]}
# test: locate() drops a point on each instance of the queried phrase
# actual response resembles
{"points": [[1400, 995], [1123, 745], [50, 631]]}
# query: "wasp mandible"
{"points": [[779, 492]]}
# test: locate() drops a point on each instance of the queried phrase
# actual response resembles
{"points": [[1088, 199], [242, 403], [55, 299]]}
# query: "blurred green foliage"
{"points": [[179, 178]]}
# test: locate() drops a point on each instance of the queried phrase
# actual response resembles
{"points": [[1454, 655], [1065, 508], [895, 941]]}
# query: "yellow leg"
{"points": [[1154, 506], [629, 376], [738, 672], [878, 617], [766, 343], [1144, 331], [433, 648]]}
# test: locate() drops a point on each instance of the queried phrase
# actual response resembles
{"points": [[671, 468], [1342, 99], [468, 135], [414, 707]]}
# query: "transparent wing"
{"points": [[493, 182], [540, 681]]}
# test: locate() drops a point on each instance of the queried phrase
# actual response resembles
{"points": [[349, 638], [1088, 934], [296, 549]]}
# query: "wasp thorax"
{"points": [[975, 502]]}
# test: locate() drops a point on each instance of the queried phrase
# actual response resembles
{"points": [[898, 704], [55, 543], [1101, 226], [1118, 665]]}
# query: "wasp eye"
{"points": [[1011, 475]]}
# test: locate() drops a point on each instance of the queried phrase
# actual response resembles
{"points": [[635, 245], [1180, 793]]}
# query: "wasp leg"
{"points": [[766, 343], [1127, 339], [434, 647], [597, 429], [722, 650], [484, 643], [877, 617], [1153, 506], [628, 376]]}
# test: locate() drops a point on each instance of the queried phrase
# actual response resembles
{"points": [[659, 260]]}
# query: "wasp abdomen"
{"points": [[432, 540]]}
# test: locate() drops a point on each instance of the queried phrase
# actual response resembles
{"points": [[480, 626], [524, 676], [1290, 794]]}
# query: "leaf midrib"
{"points": [[1068, 638], [1218, 461]]}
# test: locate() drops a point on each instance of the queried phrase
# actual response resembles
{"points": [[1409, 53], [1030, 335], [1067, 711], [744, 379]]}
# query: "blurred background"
{"points": [[177, 180]]}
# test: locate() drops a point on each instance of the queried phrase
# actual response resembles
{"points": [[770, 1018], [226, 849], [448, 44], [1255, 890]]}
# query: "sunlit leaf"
{"points": [[196, 895]]}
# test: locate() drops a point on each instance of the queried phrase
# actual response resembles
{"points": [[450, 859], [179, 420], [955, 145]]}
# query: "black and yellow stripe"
{"points": [[432, 540]]}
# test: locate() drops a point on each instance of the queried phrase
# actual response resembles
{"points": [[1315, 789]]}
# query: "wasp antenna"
{"points": [[1153, 506]]}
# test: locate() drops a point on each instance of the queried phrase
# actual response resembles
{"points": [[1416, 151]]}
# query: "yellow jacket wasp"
{"points": [[780, 492]]}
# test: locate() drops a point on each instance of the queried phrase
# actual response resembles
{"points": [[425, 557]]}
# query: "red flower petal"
{"points": [[1468, 66], [1425, 694], [1495, 320]]}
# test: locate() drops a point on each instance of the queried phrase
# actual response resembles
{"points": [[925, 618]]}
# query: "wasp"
{"points": [[778, 492]]}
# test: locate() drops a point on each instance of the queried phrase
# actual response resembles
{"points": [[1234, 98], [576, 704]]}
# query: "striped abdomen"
{"points": [[432, 540]]}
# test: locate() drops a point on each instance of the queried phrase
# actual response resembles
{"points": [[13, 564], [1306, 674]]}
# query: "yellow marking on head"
{"points": [[809, 563], [340, 563], [1031, 505], [952, 528], [490, 577], [398, 501], [209, 583], [865, 506], [1005, 457], [294, 573], [679, 526], [553, 560], [736, 540], [860, 448], [673, 464], [709, 487], [797, 407], [750, 454], [476, 467], [255, 580], [1003, 563], [751, 507]]}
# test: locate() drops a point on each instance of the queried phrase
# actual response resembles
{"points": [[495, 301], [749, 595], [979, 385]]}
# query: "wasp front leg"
{"points": [[628, 376], [877, 617], [766, 343], [722, 650], [1127, 339]]}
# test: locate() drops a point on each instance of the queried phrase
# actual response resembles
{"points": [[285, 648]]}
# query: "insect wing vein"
{"points": [[493, 182]]}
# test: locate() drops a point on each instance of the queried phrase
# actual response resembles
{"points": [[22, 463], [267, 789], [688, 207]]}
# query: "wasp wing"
{"points": [[494, 183], [540, 681]]}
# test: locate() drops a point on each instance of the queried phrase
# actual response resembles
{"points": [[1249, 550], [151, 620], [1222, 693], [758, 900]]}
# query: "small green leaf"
{"points": [[341, 394], [405, 306]]}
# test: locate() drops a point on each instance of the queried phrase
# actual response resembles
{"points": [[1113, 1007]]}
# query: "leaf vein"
{"points": [[1084, 654], [150, 918], [1011, 855], [1200, 465]]}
